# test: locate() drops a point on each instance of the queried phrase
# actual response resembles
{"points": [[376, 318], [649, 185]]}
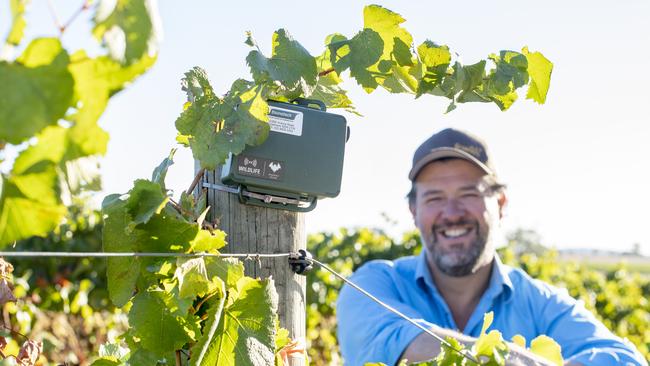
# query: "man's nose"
{"points": [[453, 210]]}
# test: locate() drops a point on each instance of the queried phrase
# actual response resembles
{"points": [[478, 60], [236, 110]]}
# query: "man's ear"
{"points": [[502, 200], [412, 209]]}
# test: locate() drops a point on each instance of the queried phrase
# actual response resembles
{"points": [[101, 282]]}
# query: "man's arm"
{"points": [[367, 332], [425, 347], [584, 339]]}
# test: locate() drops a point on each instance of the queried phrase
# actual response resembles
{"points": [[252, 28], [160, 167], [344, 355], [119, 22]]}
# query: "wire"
{"points": [[395, 311], [141, 254]]}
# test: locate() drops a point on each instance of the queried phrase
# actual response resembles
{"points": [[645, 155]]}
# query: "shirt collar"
{"points": [[499, 279]]}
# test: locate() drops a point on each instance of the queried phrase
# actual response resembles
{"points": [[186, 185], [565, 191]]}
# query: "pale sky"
{"points": [[577, 168]]}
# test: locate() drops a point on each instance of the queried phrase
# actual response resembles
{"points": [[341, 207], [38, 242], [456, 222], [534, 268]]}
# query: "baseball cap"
{"points": [[452, 143]]}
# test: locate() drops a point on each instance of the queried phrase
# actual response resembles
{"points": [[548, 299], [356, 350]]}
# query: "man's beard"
{"points": [[459, 262]]}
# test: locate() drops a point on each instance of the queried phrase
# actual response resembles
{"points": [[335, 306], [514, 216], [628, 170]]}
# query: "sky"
{"points": [[577, 167]]}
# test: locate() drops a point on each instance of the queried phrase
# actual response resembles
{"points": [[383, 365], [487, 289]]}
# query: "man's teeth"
{"points": [[454, 233]]}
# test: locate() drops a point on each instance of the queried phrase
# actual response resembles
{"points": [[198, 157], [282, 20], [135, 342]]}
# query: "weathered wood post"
{"points": [[254, 229]]}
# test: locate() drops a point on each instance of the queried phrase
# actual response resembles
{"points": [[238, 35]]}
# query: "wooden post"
{"points": [[254, 229]]}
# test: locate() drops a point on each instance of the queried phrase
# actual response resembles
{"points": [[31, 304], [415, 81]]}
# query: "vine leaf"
{"points": [[449, 357], [215, 127], [290, 64], [160, 173], [229, 270], [129, 29], [158, 328], [490, 345], [246, 332], [192, 277], [549, 349], [18, 22], [122, 272], [146, 199], [96, 80], [29, 202], [42, 90], [539, 69]]}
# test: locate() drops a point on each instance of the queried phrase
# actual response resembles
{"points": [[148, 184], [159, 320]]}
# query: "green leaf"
{"points": [[519, 340], [549, 349], [387, 25], [129, 31], [229, 270], [290, 63], [402, 53], [41, 92], [433, 56], [96, 80], [207, 241], [159, 174], [167, 231], [202, 348], [122, 272], [106, 361], [146, 199], [246, 331], [18, 22], [448, 356], [539, 69], [214, 127], [468, 79], [196, 84], [435, 60], [192, 277], [159, 330], [29, 203], [487, 321], [491, 345], [366, 48]]}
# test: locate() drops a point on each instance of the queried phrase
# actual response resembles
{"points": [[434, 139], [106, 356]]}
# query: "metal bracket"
{"points": [[265, 200]]}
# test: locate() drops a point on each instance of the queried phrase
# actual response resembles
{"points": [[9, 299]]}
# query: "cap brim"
{"points": [[446, 152]]}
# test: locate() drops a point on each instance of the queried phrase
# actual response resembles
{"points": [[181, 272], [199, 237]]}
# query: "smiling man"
{"points": [[457, 202]]}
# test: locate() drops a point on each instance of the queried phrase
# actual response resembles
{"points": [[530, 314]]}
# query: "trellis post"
{"points": [[254, 229]]}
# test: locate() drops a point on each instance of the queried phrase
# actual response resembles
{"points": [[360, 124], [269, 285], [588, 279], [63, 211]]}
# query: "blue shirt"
{"points": [[369, 333]]}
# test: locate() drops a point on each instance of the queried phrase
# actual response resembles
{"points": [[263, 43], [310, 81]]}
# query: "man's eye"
{"points": [[470, 194], [434, 199]]}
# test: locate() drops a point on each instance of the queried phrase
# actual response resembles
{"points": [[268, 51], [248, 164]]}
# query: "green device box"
{"points": [[302, 158]]}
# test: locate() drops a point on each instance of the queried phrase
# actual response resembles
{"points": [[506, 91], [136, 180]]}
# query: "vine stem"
{"points": [[196, 180], [178, 358], [325, 72], [55, 16], [74, 16]]}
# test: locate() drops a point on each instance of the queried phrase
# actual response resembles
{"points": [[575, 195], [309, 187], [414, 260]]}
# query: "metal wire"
{"points": [[395, 311], [141, 254]]}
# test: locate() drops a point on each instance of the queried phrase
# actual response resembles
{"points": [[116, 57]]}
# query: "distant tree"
{"points": [[525, 241]]}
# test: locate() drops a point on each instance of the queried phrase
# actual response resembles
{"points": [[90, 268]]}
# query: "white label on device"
{"points": [[285, 121]]}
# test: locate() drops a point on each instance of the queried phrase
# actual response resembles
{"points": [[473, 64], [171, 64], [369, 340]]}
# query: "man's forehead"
{"points": [[450, 170]]}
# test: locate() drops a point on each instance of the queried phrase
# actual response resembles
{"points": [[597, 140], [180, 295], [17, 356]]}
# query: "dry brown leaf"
{"points": [[29, 353], [6, 293], [5, 267]]}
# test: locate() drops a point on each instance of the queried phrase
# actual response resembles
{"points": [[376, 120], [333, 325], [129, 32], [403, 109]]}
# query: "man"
{"points": [[457, 202]]}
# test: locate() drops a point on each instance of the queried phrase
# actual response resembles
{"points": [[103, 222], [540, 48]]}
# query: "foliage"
{"points": [[617, 297], [383, 54], [64, 301], [203, 306], [49, 115]]}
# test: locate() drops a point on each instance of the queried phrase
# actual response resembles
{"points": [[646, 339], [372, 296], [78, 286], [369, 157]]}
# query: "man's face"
{"points": [[456, 215]]}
